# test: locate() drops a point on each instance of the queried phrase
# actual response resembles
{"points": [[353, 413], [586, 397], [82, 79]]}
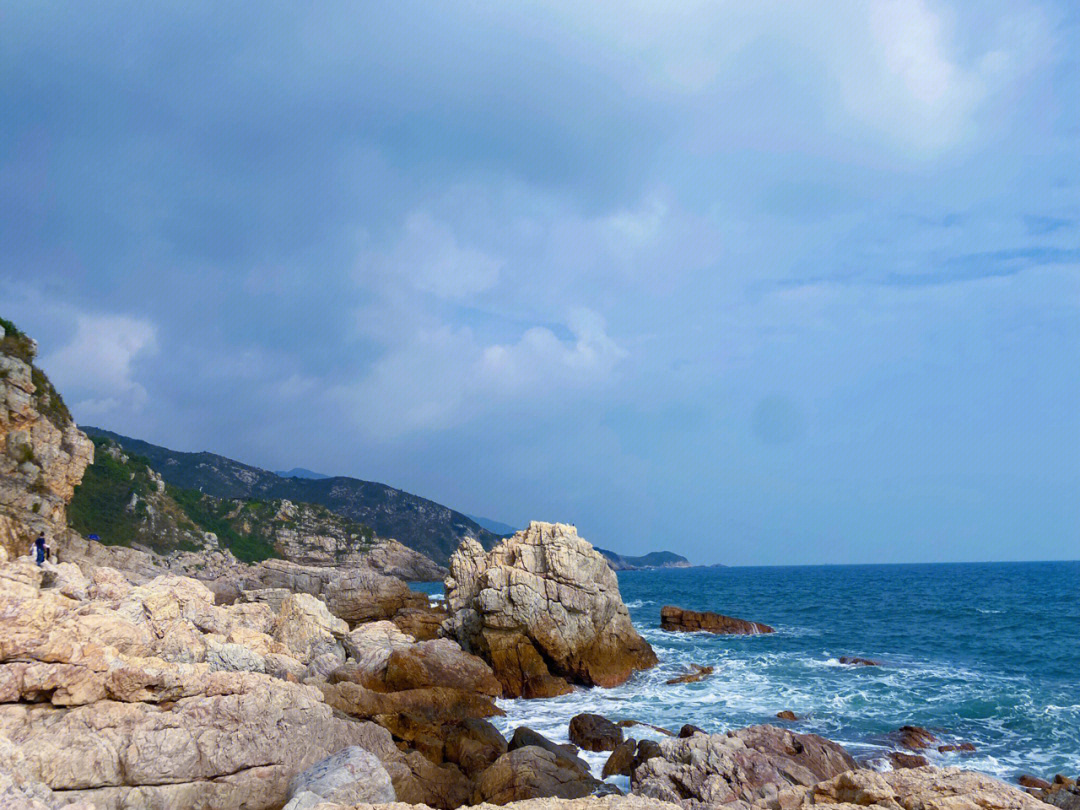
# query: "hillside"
{"points": [[420, 524], [654, 559]]}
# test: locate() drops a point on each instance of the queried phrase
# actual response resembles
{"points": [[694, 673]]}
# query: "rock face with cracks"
{"points": [[747, 765], [544, 609]]}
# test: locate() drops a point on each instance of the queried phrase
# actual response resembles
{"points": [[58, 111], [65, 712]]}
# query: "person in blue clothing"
{"points": [[41, 549]]}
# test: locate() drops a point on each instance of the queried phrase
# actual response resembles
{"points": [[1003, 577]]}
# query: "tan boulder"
{"points": [[532, 772], [306, 627], [544, 609]]}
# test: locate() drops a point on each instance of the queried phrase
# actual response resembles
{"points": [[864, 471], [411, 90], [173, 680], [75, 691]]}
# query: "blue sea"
{"points": [[981, 653]]}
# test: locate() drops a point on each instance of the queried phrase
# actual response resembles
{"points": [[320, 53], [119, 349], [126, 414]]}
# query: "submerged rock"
{"points": [[696, 673], [543, 608], [901, 760], [676, 619], [859, 662]]}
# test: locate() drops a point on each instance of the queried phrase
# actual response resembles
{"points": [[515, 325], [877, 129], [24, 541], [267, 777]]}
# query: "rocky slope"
{"points": [[125, 502], [42, 452], [418, 523], [654, 559], [543, 607]]}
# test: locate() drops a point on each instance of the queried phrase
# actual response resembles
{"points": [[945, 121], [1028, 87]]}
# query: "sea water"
{"points": [[981, 653]]}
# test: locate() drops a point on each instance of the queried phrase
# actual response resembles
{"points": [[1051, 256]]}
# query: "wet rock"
{"points": [[964, 747], [594, 733], [901, 760], [747, 765], [915, 737], [677, 619], [646, 750], [788, 715], [689, 731], [543, 608], [659, 729], [524, 736], [859, 662], [1029, 781], [697, 673], [473, 745], [621, 761], [530, 773]]}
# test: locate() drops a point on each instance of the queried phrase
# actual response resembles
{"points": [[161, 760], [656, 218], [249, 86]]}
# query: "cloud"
{"points": [[429, 256], [444, 376], [97, 365]]}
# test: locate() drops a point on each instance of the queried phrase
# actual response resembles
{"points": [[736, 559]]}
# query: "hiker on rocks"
{"points": [[41, 549]]}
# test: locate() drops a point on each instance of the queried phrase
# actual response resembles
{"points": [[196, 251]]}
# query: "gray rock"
{"points": [[351, 776], [233, 658]]}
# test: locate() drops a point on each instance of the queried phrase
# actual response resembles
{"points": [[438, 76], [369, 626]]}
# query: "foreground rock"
{"points": [[676, 619], [543, 608], [924, 788], [532, 772], [351, 776], [747, 765], [608, 802]]}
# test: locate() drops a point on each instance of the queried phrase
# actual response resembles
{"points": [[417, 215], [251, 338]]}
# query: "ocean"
{"points": [[984, 653]]}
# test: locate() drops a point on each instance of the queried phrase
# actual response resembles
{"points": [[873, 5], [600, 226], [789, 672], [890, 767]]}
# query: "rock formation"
{"points": [[594, 732], [42, 453], [747, 765], [543, 607], [676, 619]]}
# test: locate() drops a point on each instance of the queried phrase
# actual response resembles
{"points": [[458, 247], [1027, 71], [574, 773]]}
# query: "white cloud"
{"points": [[97, 365], [429, 256], [443, 376]]}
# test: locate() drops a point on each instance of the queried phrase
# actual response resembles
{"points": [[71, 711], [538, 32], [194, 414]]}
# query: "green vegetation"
{"points": [[100, 502], [48, 400], [210, 515], [16, 343]]}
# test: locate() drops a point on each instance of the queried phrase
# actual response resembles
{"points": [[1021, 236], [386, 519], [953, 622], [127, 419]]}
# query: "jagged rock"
{"points": [[908, 789], [233, 658], [543, 608], [529, 773], [440, 662], [306, 627], [392, 559], [594, 732], [42, 453], [676, 619], [351, 775], [741, 766], [610, 799]]}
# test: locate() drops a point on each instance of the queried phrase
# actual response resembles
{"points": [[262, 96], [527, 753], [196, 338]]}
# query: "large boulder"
{"points": [[747, 765], [677, 619], [307, 628], [544, 609], [350, 776], [361, 595], [532, 772], [593, 732]]}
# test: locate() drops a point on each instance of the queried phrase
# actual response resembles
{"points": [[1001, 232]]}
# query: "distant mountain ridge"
{"points": [[501, 529], [654, 559], [301, 472], [420, 524]]}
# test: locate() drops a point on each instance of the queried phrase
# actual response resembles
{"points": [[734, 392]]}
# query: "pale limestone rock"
{"points": [[307, 628], [543, 607], [351, 775]]}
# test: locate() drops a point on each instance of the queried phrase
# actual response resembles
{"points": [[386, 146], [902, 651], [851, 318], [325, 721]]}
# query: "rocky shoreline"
{"points": [[131, 680]]}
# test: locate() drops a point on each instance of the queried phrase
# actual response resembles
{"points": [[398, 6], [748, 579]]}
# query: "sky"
{"points": [[759, 283]]}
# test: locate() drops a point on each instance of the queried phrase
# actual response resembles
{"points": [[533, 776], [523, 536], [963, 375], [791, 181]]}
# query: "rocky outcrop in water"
{"points": [[42, 453], [747, 765], [676, 619], [543, 608]]}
